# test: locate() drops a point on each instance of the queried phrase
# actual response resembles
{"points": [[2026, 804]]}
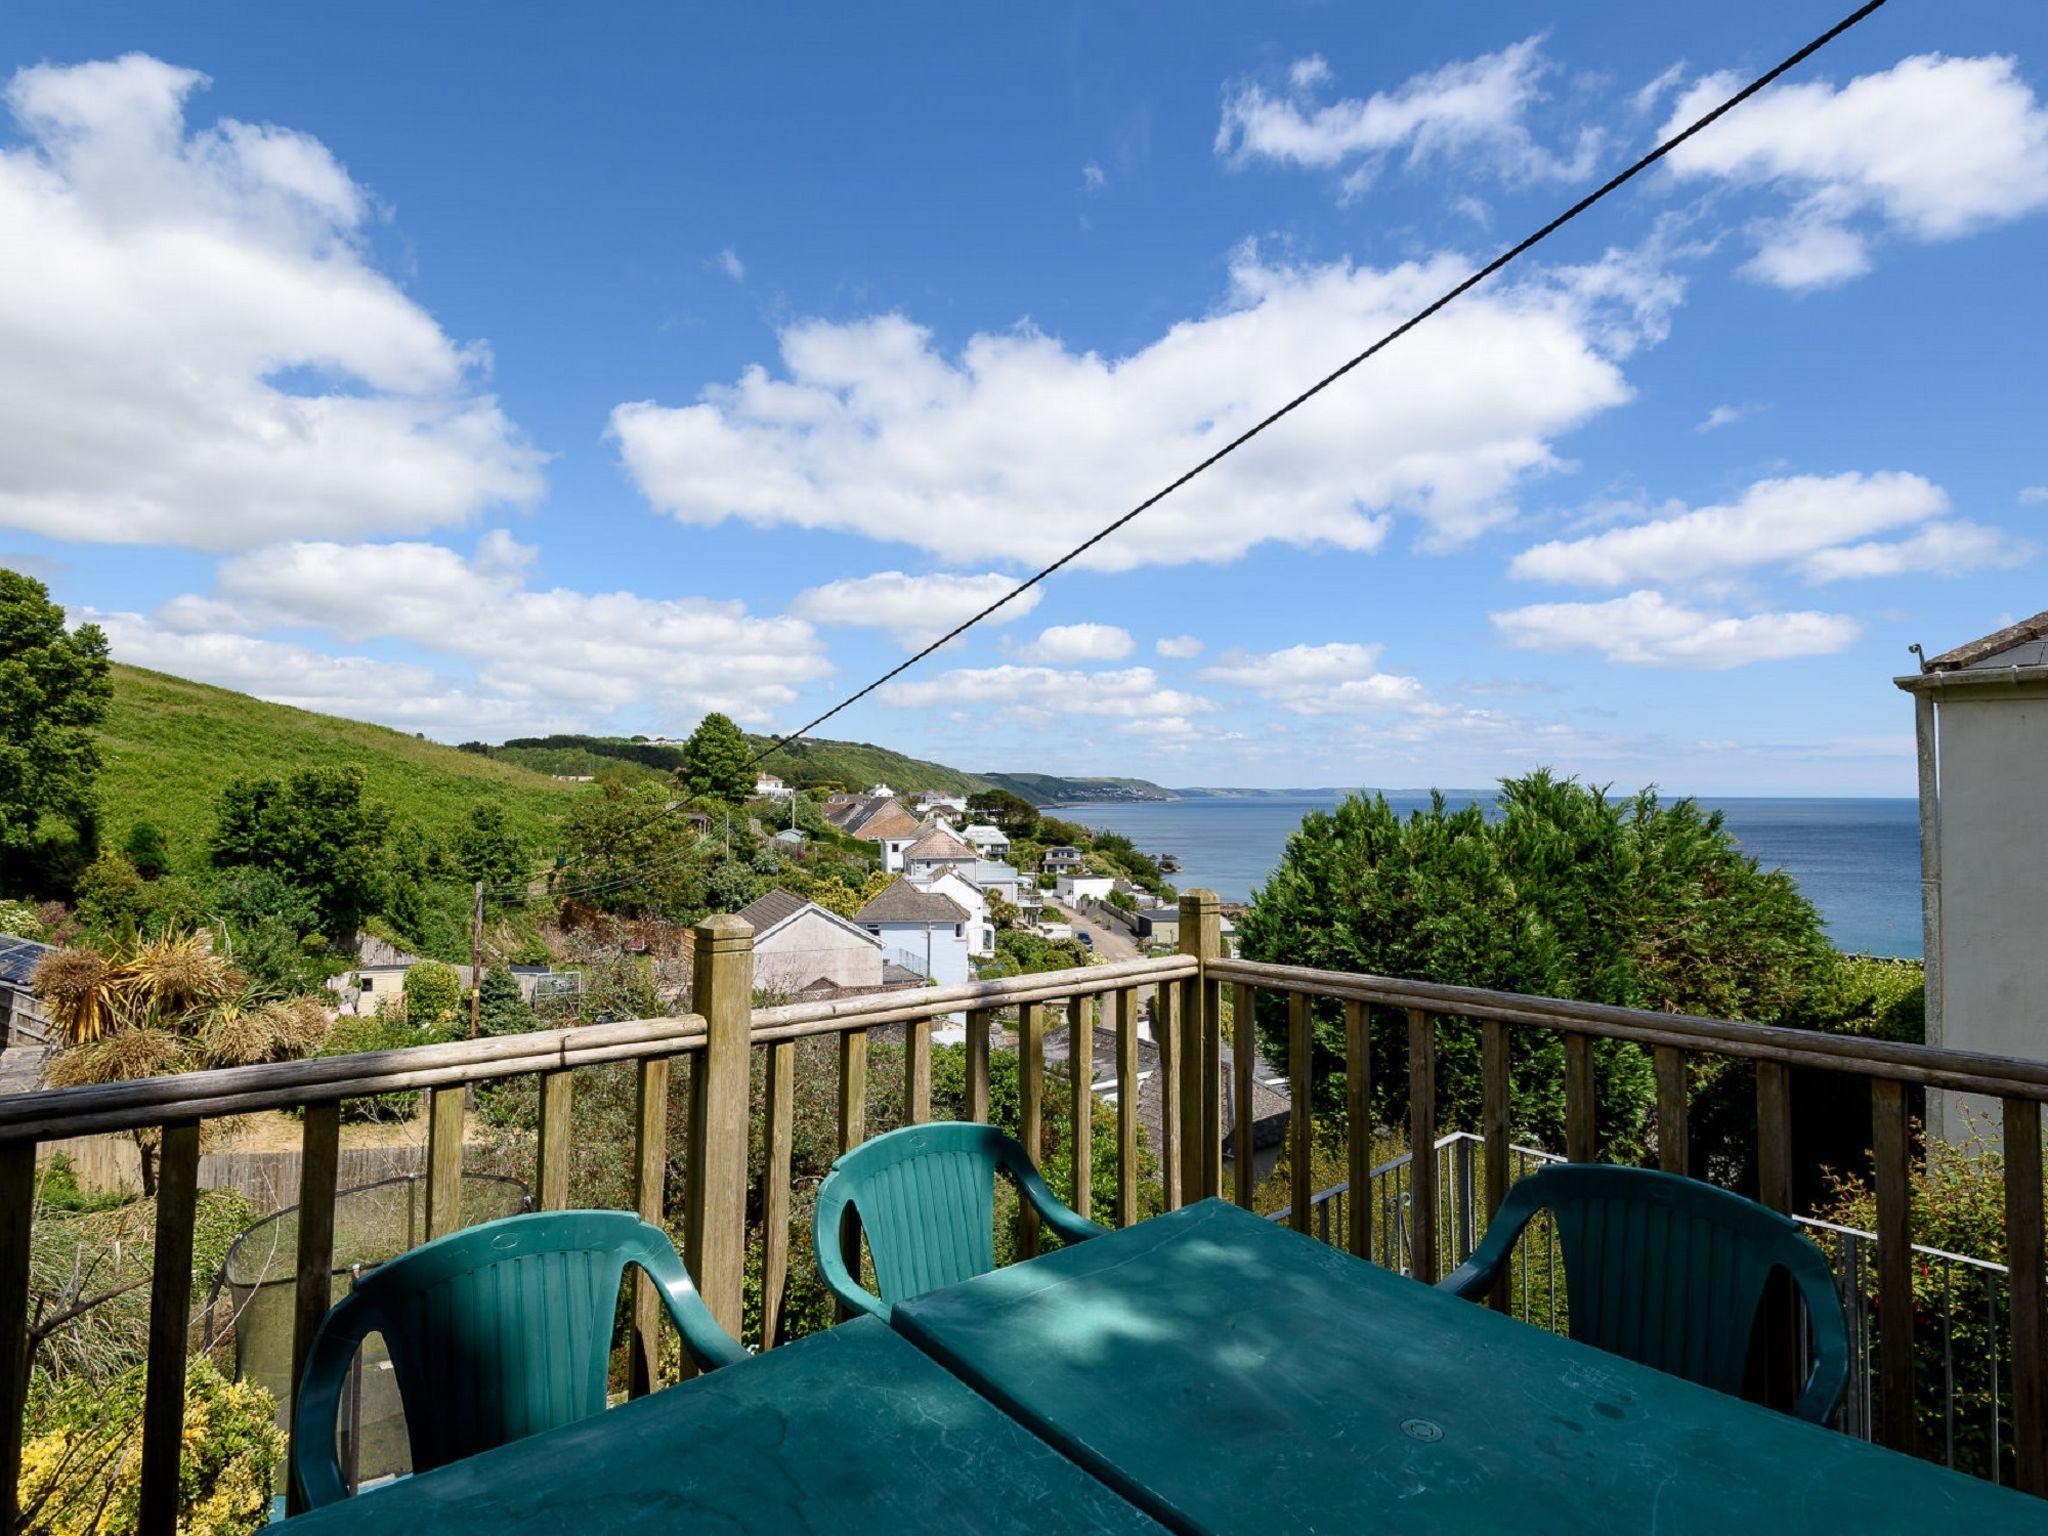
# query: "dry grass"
{"points": [[119, 1058], [81, 988]]}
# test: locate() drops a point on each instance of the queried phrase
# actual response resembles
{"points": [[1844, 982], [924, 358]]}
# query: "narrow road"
{"points": [[1110, 943]]}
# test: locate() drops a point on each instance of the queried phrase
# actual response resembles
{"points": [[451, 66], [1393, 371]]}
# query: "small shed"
{"points": [[23, 1020]]}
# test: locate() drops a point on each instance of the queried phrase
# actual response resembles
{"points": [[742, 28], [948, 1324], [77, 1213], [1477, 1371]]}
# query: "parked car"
{"points": [[1086, 942]]}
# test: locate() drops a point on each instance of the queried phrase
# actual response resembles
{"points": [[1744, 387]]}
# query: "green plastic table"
{"points": [[1232, 1376], [848, 1431]]}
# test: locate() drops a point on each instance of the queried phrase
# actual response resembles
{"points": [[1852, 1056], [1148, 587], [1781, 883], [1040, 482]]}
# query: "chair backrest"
{"points": [[1669, 1271], [925, 1195], [496, 1332]]}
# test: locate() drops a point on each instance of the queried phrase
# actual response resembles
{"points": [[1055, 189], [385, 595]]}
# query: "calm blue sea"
{"points": [[1857, 860]]}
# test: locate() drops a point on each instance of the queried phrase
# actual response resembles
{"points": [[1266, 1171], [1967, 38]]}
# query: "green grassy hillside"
{"points": [[1049, 789], [171, 745], [858, 764]]}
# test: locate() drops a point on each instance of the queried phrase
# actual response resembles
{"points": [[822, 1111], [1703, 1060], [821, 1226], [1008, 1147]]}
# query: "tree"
{"points": [[54, 692], [501, 1008], [112, 900], [433, 994], [730, 885], [717, 762], [1010, 814], [147, 851], [315, 829], [486, 849], [1564, 894], [625, 852]]}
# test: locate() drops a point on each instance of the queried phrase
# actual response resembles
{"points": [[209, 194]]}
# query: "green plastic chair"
{"points": [[926, 1198], [496, 1332], [1669, 1272]]}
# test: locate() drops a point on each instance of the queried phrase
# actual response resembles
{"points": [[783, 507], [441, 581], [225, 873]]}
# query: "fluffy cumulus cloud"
{"points": [[195, 347], [1932, 148], [1338, 678], [1821, 526], [1648, 629], [915, 609], [1472, 112], [1031, 695], [540, 654], [1018, 447], [1178, 647], [1065, 644]]}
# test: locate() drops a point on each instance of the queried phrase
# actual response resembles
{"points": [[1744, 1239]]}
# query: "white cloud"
{"points": [[1939, 549], [1093, 177], [2034, 495], [1647, 629], [1472, 111], [1065, 644], [1019, 448], [730, 264], [1726, 416], [1933, 148], [1178, 647], [561, 650], [1775, 521], [1043, 694], [1338, 678], [194, 345], [915, 609]]}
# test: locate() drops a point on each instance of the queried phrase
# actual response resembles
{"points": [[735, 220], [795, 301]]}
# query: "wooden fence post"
{"points": [[650, 1177], [445, 1108], [721, 1085], [17, 1208], [170, 1308], [1422, 1258], [1201, 1033], [319, 1168]]}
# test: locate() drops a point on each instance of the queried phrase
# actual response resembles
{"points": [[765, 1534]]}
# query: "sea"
{"points": [[1857, 860]]}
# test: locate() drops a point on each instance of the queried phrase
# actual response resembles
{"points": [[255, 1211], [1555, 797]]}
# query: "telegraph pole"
{"points": [[476, 961]]}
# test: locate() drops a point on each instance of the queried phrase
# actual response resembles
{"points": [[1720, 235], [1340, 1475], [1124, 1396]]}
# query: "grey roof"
{"points": [[18, 959], [902, 902], [2024, 644], [777, 906], [990, 872], [941, 844]]}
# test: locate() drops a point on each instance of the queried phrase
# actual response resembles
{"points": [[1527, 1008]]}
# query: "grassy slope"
{"points": [[860, 764], [1051, 789], [172, 744]]}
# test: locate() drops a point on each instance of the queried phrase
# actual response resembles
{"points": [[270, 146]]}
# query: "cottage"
{"points": [[1060, 858], [937, 849], [986, 840], [803, 950], [379, 972], [924, 930], [933, 801], [768, 786], [994, 879], [949, 881], [1159, 925], [1076, 888]]}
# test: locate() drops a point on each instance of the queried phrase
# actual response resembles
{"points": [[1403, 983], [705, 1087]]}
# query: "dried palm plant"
{"points": [[82, 990], [169, 979]]}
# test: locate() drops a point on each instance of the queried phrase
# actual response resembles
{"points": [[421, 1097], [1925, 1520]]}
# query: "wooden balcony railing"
{"points": [[1187, 1032]]}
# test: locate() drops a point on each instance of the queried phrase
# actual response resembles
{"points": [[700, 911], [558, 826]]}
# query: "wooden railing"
{"points": [[1187, 1034]]}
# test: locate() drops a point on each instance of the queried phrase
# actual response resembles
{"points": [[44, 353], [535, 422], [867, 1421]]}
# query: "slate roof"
{"points": [[2024, 644], [941, 844], [902, 902], [777, 906], [991, 872], [18, 959]]}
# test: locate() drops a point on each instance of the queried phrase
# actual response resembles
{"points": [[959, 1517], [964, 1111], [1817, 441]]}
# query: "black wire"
{"points": [[1520, 247], [1473, 281]]}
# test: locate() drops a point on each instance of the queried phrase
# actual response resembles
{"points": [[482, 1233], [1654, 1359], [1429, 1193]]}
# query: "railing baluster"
{"points": [[1891, 1150], [1081, 1072], [17, 1216], [445, 1108], [1581, 1127], [551, 1155], [650, 1169], [1496, 1110], [1300, 1084], [1673, 1151], [721, 1084], [1422, 1145], [778, 1136], [1127, 1106], [2023, 1258], [1244, 1160], [853, 1130], [170, 1305], [319, 1167], [1358, 1113], [917, 1072], [1030, 1101], [1166, 1041], [1200, 1049], [1781, 1331], [977, 1065]]}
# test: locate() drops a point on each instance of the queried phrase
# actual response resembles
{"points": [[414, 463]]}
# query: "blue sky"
{"points": [[486, 370]]}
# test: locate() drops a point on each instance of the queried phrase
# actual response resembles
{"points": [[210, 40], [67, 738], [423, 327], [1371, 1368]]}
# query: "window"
{"points": [[959, 930], [366, 984]]}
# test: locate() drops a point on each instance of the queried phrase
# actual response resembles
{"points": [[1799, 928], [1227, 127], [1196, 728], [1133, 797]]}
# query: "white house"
{"points": [[995, 879], [802, 950], [986, 840], [932, 801], [769, 787], [923, 930], [937, 849], [1075, 888], [1060, 858], [881, 791], [948, 881]]}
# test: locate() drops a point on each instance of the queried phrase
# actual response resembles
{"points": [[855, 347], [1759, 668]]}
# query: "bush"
{"points": [[385, 1030], [433, 994], [147, 850], [81, 1466]]}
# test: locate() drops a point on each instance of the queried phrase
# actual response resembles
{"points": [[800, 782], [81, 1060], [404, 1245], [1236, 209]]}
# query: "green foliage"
{"points": [[53, 695], [1050, 789], [384, 1030], [433, 994], [58, 1189], [1019, 952], [857, 764], [21, 920], [486, 848], [112, 899], [1881, 998], [730, 885], [317, 828], [246, 896], [501, 1010], [1565, 895], [146, 850], [717, 762], [1012, 815], [627, 854]]}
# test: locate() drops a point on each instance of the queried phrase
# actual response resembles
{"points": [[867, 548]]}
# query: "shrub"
{"points": [[433, 993], [147, 850]]}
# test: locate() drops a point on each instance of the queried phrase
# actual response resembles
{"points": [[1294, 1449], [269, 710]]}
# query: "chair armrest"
{"points": [[1478, 1274], [1071, 1225], [315, 1466], [1830, 1373], [825, 1222], [709, 1344]]}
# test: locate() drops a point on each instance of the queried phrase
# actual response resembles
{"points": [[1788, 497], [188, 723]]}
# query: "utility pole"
{"points": [[476, 961]]}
